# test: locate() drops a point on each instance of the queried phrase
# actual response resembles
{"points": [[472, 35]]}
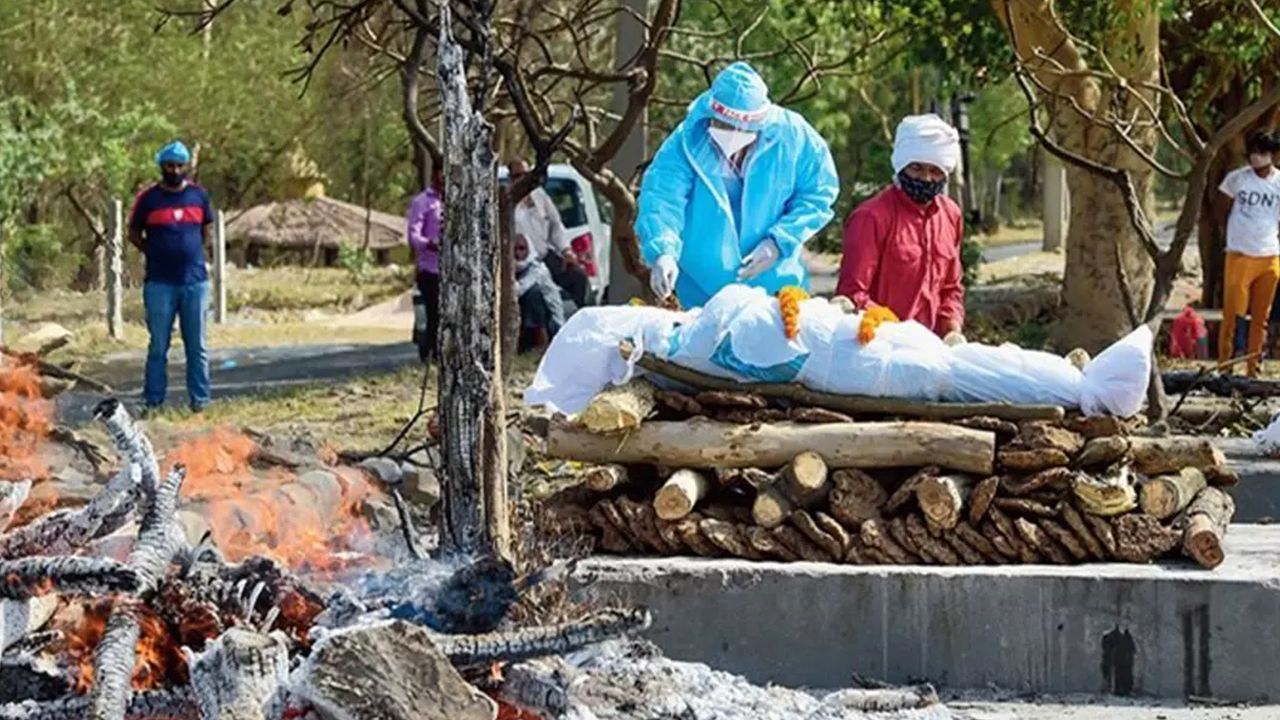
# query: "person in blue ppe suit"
{"points": [[734, 193]]}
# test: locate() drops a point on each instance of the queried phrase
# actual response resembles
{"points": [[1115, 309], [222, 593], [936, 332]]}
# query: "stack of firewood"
{"points": [[734, 473]]}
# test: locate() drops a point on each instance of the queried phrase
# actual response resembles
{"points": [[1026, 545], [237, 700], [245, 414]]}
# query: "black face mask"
{"points": [[922, 191], [173, 179]]}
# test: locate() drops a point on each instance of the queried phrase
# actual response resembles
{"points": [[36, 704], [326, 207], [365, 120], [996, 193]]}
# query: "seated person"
{"points": [[541, 310]]}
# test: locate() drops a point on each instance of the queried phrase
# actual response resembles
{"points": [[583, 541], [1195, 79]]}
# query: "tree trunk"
{"points": [[709, 444], [619, 408], [1207, 521], [473, 497], [1165, 496]]}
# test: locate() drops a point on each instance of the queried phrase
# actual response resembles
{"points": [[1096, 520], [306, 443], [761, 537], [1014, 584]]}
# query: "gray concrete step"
{"points": [[1167, 631]]}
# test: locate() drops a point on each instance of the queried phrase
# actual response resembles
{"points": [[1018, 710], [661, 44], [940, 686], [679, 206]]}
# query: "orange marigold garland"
{"points": [[871, 319], [789, 299]]}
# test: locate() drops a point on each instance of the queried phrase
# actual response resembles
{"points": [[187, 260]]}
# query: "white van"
{"points": [[586, 218]]}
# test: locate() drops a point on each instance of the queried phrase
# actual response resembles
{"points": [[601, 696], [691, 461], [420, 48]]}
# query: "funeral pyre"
{"points": [[117, 608], [716, 468]]}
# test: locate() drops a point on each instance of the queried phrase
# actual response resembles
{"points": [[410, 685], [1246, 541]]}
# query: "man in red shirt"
{"points": [[902, 246]]}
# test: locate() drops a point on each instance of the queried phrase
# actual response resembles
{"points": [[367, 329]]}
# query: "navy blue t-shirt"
{"points": [[172, 223]]}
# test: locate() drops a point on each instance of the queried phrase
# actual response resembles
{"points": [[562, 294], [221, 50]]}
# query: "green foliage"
{"points": [[970, 257], [355, 260]]}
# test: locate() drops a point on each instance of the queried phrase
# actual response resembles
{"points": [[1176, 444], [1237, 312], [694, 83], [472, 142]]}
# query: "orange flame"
{"points": [[25, 420], [267, 512], [159, 660]]}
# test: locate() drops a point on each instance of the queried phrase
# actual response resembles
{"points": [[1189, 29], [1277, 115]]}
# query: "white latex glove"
{"points": [[954, 338], [662, 276], [759, 260]]}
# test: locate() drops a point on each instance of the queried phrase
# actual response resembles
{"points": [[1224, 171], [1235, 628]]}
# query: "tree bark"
{"points": [[941, 499], [473, 498], [1155, 456], [707, 444], [856, 497]]}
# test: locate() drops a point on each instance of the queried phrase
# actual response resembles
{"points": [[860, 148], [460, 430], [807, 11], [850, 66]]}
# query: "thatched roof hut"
{"points": [[309, 225]]}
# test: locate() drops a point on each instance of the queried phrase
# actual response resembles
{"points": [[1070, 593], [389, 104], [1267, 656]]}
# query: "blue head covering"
{"points": [[739, 97], [174, 152]]}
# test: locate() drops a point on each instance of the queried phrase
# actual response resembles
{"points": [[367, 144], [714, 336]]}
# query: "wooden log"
{"points": [[1054, 479], [1103, 452], [1032, 460], [643, 522], [1157, 456], [619, 408], [1003, 429], [726, 537], [815, 415], [1002, 545], [679, 402], [1207, 520], [1106, 496], [1038, 541], [876, 556], [670, 535], [611, 538], [765, 542], [1164, 496], [804, 479], [981, 497], [1096, 426], [941, 498], [852, 404], [797, 543], [857, 554], [967, 552], [1077, 523], [1009, 530], [1064, 537], [691, 536], [804, 522], [680, 493], [930, 546], [979, 542], [742, 416], [874, 535], [1141, 538], [830, 526], [1040, 435], [603, 478], [771, 507], [1102, 530], [907, 490], [753, 478], [739, 399], [855, 497], [1221, 476], [701, 443], [898, 531], [610, 510], [1024, 507]]}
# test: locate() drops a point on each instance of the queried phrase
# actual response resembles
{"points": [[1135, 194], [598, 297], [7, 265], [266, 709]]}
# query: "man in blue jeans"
{"points": [[170, 223]]}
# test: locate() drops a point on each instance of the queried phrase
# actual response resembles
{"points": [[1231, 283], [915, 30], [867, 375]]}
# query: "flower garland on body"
{"points": [[871, 319], [789, 299]]}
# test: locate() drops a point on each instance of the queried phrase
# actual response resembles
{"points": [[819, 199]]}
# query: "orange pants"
{"points": [[1250, 285]]}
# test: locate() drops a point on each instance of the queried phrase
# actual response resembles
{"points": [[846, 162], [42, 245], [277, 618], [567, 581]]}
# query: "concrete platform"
{"points": [[1166, 631]]}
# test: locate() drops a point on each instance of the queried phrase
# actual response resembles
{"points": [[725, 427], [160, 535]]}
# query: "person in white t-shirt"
{"points": [[1249, 208]]}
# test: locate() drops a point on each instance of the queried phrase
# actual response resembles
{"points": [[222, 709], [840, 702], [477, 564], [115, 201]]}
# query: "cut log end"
{"points": [[680, 494]]}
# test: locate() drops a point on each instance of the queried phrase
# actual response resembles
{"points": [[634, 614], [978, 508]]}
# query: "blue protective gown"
{"points": [[789, 184]]}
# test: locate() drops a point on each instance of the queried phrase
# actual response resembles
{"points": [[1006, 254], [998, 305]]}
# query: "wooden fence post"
{"points": [[220, 268], [115, 272]]}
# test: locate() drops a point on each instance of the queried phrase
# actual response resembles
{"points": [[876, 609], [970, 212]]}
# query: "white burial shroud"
{"points": [[739, 335]]}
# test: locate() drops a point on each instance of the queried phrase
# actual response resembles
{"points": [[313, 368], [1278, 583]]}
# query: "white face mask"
{"points": [[731, 141], [1259, 161]]}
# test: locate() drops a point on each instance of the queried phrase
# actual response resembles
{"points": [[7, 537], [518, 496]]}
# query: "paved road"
{"points": [[243, 371]]}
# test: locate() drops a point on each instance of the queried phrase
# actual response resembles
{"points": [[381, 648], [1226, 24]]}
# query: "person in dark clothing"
{"points": [[423, 228], [171, 223]]}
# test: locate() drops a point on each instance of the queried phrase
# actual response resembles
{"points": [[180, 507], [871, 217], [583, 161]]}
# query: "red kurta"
{"points": [[906, 256]]}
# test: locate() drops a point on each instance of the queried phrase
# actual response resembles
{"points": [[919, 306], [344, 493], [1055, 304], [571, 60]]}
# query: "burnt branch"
{"points": [[527, 643], [63, 531], [149, 705], [66, 575], [113, 661], [131, 444]]}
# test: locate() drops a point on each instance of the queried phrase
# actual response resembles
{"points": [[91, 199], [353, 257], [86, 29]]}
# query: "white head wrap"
{"points": [[926, 139]]}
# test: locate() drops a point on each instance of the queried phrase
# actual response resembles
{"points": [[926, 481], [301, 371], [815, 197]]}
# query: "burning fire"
{"points": [[303, 526], [159, 657], [25, 420]]}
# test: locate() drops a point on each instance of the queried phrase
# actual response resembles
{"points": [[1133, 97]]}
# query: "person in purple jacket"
{"points": [[426, 214]]}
